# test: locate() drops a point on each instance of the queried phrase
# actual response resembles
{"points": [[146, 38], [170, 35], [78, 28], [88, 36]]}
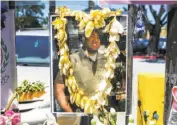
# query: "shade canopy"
{"points": [[137, 1]]}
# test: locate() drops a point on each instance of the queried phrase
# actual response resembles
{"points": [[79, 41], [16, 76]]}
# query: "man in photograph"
{"points": [[88, 64]]}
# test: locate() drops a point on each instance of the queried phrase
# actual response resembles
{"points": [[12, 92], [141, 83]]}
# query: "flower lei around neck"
{"points": [[88, 22]]}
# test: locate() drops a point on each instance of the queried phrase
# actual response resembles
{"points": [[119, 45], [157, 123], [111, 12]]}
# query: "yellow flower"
{"points": [[96, 14], [102, 22], [89, 28], [62, 11], [119, 12], [84, 99], [87, 106], [71, 71], [60, 35], [72, 97], [70, 80], [78, 99], [74, 87], [106, 11], [82, 24], [96, 24], [58, 23]]}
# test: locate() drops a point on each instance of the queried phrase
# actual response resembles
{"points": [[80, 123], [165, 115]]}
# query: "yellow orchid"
{"points": [[62, 11], [99, 23], [82, 24], [78, 99], [89, 28], [72, 97], [71, 71], [58, 23], [69, 90], [102, 22], [84, 99], [106, 11], [87, 106], [70, 80], [60, 35], [96, 14], [119, 12], [74, 87], [81, 91], [79, 15]]}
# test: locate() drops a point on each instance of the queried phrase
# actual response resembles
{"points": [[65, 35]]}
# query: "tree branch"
{"points": [[148, 25], [161, 12], [125, 9], [153, 11]]}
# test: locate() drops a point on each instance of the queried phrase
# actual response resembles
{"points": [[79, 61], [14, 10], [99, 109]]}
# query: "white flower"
{"points": [[106, 10], [102, 85], [107, 74], [108, 90], [153, 122], [131, 124], [97, 120], [101, 99], [131, 119], [116, 27], [112, 111]]}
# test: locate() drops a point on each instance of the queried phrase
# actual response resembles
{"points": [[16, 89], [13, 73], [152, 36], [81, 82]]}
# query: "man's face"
{"points": [[93, 42]]}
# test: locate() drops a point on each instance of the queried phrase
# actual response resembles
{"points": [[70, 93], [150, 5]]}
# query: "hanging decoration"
{"points": [[140, 26]]}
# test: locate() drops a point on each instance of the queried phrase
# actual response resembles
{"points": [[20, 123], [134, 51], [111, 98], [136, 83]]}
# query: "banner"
{"points": [[8, 59], [102, 2]]}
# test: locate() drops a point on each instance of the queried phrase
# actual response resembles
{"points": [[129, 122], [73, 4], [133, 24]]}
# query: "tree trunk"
{"points": [[153, 45], [154, 39], [171, 65]]}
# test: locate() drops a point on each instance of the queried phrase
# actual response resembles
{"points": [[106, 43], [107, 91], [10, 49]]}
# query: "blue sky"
{"points": [[81, 5]]}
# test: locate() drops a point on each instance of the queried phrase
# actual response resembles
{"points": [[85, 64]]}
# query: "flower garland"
{"points": [[88, 22]]}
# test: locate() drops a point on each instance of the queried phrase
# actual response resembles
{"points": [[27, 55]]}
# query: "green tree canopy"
{"points": [[29, 16]]}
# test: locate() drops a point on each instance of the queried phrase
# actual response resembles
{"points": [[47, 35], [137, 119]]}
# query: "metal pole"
{"points": [[171, 62], [130, 60], [52, 6]]}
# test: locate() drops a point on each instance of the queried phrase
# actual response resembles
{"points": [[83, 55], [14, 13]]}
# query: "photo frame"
{"points": [[75, 43]]}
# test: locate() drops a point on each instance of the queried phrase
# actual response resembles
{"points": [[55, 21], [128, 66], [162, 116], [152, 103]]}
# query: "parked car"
{"points": [[140, 45], [162, 45]]}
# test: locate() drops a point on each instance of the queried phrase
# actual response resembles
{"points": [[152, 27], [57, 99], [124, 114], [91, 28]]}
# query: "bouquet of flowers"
{"points": [[27, 91], [10, 118]]}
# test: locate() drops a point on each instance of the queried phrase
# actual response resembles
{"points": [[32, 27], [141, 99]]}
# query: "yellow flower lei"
{"points": [[88, 22]]}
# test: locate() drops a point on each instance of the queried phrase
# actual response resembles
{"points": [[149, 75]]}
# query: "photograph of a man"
{"points": [[87, 57], [88, 64]]}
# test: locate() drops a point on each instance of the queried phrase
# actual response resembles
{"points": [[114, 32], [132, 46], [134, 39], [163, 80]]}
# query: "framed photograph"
{"points": [[98, 77]]}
